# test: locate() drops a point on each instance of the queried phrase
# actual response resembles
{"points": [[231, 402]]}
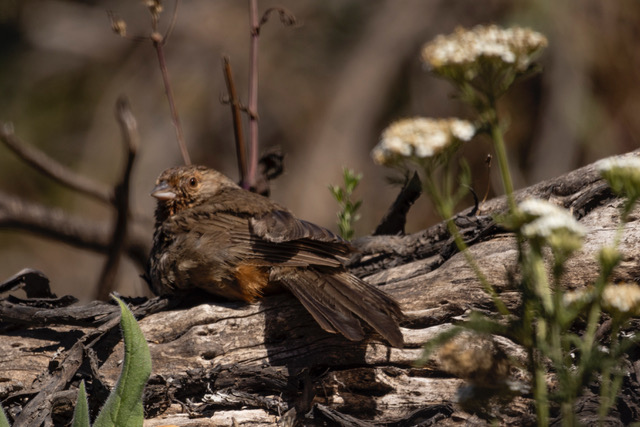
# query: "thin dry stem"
{"points": [[253, 93], [50, 167], [234, 102], [130, 137], [159, 41], [488, 163], [287, 18], [158, 44], [56, 224], [174, 19]]}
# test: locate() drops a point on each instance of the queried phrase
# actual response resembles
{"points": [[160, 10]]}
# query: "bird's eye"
{"points": [[193, 182]]}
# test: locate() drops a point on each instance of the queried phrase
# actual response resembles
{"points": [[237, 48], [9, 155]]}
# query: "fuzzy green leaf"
{"points": [[124, 405], [81, 411], [4, 422]]}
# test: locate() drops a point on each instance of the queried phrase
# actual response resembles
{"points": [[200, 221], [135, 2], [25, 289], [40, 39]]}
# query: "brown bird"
{"points": [[213, 235]]}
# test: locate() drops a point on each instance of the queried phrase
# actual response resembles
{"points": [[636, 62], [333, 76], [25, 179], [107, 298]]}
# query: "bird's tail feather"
{"points": [[333, 298]]}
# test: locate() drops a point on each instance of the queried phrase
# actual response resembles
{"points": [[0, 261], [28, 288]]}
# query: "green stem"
{"points": [[488, 288], [608, 388], [589, 337], [540, 393], [530, 342], [446, 211], [568, 413], [538, 276], [501, 153]]}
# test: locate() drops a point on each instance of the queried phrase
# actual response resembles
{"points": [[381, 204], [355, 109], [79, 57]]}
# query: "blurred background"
{"points": [[328, 87]]}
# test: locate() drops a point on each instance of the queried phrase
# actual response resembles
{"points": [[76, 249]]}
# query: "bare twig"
{"points": [[130, 137], [287, 18], [174, 19], [50, 167], [270, 166], [488, 163], [394, 220], [253, 93], [158, 40], [34, 283], [56, 224], [158, 43], [234, 102], [33, 413]]}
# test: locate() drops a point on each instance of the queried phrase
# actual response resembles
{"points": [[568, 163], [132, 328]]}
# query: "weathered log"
{"points": [[221, 363]]}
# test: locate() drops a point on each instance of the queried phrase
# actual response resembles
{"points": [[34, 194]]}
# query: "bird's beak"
{"points": [[163, 192]]}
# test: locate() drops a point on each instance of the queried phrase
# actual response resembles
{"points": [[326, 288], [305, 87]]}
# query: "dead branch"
{"points": [[131, 138], [34, 283], [56, 224], [395, 219], [53, 169]]}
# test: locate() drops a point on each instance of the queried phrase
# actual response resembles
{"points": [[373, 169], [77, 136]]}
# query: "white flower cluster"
{"points": [[580, 296], [613, 163], [622, 298], [623, 175], [625, 169], [420, 137], [619, 299], [547, 219], [516, 46]]}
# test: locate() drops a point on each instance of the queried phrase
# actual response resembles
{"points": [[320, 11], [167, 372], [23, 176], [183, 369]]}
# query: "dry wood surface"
{"points": [[219, 363]]}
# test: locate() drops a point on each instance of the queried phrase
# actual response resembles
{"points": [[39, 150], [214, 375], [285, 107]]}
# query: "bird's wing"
{"points": [[285, 230], [272, 223], [279, 230], [230, 238], [281, 226]]}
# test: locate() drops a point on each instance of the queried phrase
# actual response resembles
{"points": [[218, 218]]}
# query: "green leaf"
{"points": [[124, 405], [4, 422], [81, 411], [347, 214]]}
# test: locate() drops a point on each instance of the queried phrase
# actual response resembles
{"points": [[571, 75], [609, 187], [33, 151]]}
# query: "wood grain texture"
{"points": [[255, 365]]}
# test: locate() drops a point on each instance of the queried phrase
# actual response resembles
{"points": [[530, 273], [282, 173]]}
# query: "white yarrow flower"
{"points": [[488, 58], [547, 225], [551, 223], [516, 46], [421, 138], [580, 296], [622, 298], [623, 176], [462, 130], [612, 163], [538, 207]]}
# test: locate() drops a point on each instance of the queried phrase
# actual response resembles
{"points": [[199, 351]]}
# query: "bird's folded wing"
{"points": [[223, 236], [281, 226]]}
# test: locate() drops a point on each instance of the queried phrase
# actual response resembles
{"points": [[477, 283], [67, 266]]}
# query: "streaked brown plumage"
{"points": [[213, 235]]}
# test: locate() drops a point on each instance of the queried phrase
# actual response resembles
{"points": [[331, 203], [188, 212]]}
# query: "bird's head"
{"points": [[185, 187]]}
